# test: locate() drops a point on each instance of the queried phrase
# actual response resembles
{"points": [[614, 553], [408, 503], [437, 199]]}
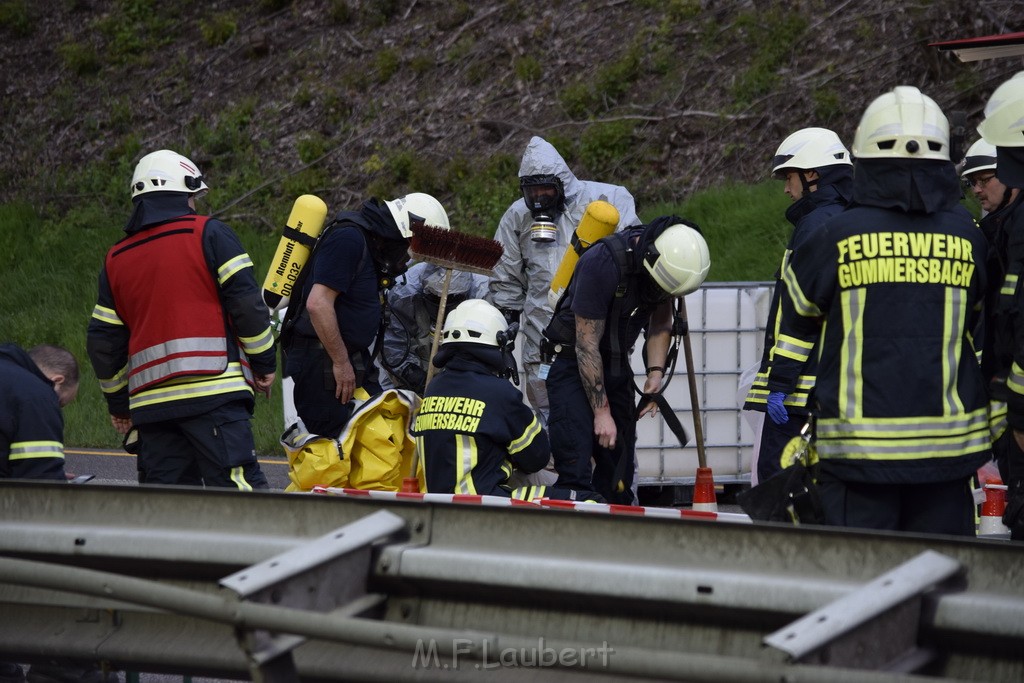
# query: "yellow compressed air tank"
{"points": [[304, 225], [599, 220]]}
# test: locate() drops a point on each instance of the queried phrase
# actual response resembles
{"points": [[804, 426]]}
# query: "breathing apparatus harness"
{"points": [[385, 266], [558, 335]]}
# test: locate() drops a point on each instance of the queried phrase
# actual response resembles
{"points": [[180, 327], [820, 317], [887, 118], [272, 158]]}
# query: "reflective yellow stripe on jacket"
{"points": [[465, 461], [233, 379], [799, 398], [529, 434], [27, 450], [904, 438]]}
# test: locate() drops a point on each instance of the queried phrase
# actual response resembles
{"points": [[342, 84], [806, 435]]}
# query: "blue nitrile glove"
{"points": [[776, 411]]}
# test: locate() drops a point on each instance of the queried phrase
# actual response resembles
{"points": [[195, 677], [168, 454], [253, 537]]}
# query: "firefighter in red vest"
{"points": [[180, 338]]}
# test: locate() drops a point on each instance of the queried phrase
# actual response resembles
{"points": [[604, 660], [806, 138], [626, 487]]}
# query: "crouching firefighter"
{"points": [[327, 337], [473, 430], [623, 285]]}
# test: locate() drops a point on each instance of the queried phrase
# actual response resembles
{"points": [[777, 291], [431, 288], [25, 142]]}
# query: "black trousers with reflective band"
{"points": [[213, 449]]}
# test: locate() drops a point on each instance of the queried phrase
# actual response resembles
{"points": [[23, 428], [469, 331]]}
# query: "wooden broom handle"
{"points": [[698, 432], [437, 325]]}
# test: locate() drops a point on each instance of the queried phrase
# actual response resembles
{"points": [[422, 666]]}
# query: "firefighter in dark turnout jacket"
{"points": [[473, 429], [1003, 357], [34, 386], [819, 179], [898, 280], [610, 300], [329, 333], [998, 204], [180, 337]]}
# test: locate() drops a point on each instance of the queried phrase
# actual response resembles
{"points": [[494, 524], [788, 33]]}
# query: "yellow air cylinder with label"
{"points": [[304, 225], [599, 220]]}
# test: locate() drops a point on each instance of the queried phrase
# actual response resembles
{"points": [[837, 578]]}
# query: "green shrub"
{"points": [[603, 144], [770, 35], [593, 96], [386, 63], [79, 59], [527, 68], [483, 189], [827, 105], [218, 29], [137, 28], [312, 147], [16, 18], [422, 63]]}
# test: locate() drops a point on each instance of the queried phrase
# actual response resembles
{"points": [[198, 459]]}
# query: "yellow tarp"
{"points": [[374, 452]]}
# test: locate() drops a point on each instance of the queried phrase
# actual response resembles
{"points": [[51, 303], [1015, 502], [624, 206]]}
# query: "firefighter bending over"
{"points": [[473, 430]]}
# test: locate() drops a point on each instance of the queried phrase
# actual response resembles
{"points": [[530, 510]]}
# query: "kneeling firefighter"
{"points": [[624, 284], [328, 334], [473, 428]]}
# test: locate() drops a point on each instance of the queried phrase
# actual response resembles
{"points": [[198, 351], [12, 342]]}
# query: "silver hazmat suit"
{"points": [[523, 276]]}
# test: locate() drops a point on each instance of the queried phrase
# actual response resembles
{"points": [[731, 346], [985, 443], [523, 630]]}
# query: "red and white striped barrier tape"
{"points": [[551, 503], [466, 499]]}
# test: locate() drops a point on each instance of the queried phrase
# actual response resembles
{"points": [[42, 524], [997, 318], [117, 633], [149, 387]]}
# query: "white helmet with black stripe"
{"points": [[167, 171]]}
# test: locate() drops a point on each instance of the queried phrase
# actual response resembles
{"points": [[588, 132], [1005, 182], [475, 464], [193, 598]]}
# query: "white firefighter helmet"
{"points": [[1004, 114], [167, 171], [809, 149], [679, 260], [475, 321], [902, 124], [980, 157], [418, 204]]}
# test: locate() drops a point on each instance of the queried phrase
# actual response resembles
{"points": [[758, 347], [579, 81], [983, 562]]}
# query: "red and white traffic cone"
{"points": [[992, 510], [704, 491]]}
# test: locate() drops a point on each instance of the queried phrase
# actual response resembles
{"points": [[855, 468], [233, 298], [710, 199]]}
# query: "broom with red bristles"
{"points": [[451, 250]]}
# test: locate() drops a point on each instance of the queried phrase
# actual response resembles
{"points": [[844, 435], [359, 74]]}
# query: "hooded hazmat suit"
{"points": [[523, 276]]}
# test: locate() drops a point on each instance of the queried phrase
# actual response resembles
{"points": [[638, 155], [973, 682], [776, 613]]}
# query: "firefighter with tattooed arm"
{"points": [[624, 284]]}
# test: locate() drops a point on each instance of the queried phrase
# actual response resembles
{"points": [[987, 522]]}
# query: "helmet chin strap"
{"points": [[506, 342], [1006, 199], [806, 183]]}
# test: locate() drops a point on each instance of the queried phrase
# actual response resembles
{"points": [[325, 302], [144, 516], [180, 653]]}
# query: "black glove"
{"points": [[1013, 517], [415, 378], [511, 315]]}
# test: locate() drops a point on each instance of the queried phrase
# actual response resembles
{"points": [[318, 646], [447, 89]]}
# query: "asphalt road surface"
{"points": [[118, 467]]}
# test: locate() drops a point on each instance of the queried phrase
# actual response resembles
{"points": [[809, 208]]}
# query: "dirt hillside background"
{"points": [[346, 98]]}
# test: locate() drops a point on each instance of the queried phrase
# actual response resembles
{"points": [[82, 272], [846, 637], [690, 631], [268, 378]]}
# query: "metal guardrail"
{"points": [[285, 586]]}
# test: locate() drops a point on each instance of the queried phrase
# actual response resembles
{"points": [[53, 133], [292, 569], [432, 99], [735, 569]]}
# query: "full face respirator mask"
{"points": [[545, 198]]}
